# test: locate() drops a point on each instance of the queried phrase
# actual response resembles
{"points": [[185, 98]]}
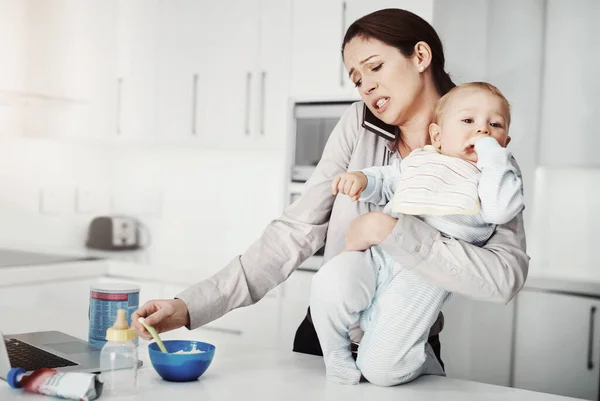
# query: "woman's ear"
{"points": [[422, 56], [435, 133]]}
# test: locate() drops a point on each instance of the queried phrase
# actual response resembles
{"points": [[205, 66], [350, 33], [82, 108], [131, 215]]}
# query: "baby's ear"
{"points": [[435, 134]]}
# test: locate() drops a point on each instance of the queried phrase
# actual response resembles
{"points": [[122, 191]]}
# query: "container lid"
{"points": [[120, 331], [114, 288], [13, 377]]}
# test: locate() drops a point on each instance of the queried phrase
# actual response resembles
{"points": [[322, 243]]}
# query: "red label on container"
{"points": [[109, 297]]}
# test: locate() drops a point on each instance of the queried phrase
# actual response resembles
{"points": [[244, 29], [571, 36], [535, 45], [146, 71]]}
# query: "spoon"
{"points": [[154, 334]]}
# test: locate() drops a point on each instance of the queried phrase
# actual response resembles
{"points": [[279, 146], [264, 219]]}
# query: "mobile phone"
{"points": [[378, 127]]}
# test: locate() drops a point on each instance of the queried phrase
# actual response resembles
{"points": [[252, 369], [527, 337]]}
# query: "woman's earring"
{"points": [[421, 69]]}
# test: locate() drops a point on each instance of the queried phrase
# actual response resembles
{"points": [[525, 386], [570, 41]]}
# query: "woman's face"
{"points": [[388, 82]]}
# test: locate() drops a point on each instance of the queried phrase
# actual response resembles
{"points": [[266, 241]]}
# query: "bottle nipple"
{"points": [[120, 331], [121, 322]]}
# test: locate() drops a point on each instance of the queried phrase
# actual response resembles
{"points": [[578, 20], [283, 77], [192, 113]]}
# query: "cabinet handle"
{"points": [[590, 362], [263, 79], [194, 100], [342, 70], [248, 99], [119, 96]]}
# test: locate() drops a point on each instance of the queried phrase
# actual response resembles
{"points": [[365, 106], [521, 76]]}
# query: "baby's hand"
{"points": [[351, 184], [476, 138]]}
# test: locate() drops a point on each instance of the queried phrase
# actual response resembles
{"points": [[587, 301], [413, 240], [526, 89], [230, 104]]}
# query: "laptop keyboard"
{"points": [[28, 357]]}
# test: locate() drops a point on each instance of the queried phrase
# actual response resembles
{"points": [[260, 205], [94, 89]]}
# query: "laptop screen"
{"points": [[4, 359]]}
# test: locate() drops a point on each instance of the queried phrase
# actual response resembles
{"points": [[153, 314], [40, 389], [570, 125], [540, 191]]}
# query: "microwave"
{"points": [[313, 122]]}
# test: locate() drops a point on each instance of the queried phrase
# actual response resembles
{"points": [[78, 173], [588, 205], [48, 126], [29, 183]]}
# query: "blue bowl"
{"points": [[181, 367]]}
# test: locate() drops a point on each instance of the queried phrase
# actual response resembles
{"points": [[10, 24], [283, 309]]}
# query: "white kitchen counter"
{"points": [[241, 372], [587, 287]]}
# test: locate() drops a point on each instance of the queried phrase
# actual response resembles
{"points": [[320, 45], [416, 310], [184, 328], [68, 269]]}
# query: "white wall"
{"points": [[500, 42], [204, 206], [564, 236], [571, 85], [199, 205], [28, 166]]}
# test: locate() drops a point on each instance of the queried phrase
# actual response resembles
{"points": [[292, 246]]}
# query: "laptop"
{"points": [[47, 349]]}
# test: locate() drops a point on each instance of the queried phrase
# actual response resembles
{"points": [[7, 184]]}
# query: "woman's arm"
{"points": [[494, 272], [285, 243]]}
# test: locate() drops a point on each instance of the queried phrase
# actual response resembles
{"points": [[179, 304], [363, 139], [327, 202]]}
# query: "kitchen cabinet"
{"points": [[135, 101], [295, 295], [557, 344], [223, 72], [12, 68], [274, 74], [257, 324], [230, 81], [22, 308], [318, 70], [70, 62], [182, 74], [477, 340], [12, 25], [45, 306], [227, 324]]}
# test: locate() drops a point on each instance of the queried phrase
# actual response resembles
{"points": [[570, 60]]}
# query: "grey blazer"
{"points": [[494, 272]]}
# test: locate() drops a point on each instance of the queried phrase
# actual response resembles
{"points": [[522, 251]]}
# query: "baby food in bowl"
{"points": [[195, 351], [184, 361]]}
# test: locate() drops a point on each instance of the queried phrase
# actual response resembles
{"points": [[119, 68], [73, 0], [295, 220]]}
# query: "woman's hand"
{"points": [[163, 314], [368, 230]]}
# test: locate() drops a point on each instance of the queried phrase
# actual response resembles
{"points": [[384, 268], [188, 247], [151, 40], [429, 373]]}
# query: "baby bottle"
{"points": [[119, 358]]}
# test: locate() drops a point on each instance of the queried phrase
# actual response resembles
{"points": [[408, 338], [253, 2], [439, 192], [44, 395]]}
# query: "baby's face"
{"points": [[470, 114]]}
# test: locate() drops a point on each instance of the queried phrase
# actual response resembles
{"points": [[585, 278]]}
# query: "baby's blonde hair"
{"points": [[441, 104]]}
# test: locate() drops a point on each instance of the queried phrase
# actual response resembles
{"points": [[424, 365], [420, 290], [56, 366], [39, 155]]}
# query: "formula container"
{"points": [[105, 301]]}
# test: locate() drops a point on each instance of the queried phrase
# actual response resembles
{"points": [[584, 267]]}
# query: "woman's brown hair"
{"points": [[403, 30]]}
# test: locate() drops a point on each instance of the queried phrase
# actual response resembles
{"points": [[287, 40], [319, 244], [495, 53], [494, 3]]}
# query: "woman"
{"points": [[396, 61]]}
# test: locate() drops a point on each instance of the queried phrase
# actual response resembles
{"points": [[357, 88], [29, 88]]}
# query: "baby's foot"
{"points": [[341, 368]]}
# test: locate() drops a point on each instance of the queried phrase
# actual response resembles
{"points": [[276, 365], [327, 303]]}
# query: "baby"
{"points": [[464, 184]]}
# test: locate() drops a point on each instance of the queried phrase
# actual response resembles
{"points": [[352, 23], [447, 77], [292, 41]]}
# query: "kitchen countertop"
{"points": [[275, 375], [13, 257], [579, 286]]}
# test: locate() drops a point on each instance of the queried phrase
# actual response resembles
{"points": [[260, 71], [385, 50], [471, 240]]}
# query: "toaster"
{"points": [[114, 233]]}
